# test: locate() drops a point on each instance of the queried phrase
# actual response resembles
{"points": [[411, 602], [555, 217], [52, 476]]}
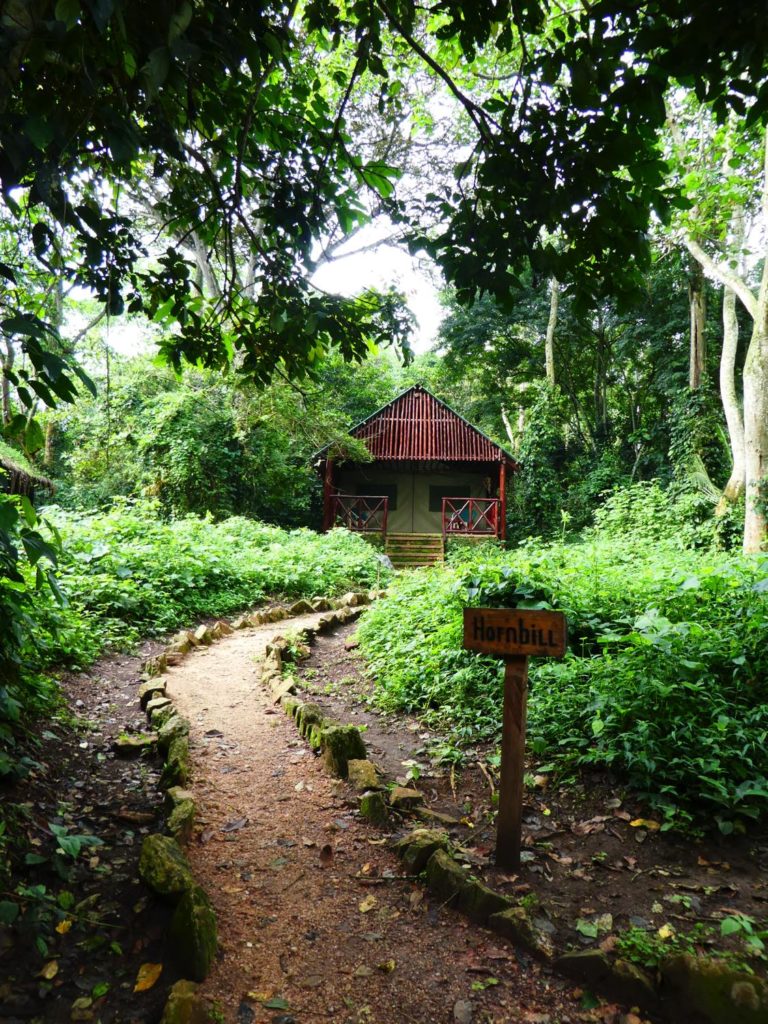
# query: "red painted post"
{"points": [[502, 526]]}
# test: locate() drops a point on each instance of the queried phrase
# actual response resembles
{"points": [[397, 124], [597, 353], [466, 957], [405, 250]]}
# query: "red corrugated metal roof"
{"points": [[418, 427]]}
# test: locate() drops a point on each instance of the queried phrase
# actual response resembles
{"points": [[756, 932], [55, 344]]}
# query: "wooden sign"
{"points": [[514, 634], [512, 631]]}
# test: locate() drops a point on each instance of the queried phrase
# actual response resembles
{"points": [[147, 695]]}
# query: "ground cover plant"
{"points": [[665, 683], [129, 573]]}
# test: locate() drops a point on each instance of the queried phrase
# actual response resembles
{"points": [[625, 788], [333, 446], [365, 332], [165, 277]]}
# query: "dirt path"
{"points": [[316, 922]]}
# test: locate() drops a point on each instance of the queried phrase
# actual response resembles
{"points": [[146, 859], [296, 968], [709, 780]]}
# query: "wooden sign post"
{"points": [[514, 634]]}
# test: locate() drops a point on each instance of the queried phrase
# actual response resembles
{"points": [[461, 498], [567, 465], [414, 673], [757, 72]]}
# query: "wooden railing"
{"points": [[473, 517], [361, 512]]}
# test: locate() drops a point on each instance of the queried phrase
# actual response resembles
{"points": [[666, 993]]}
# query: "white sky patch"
{"points": [[384, 267]]}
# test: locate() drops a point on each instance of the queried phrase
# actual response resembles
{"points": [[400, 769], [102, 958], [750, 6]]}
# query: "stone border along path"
{"points": [[316, 919]]}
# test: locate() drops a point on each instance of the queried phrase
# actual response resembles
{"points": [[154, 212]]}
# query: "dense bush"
{"points": [[666, 680], [128, 573]]}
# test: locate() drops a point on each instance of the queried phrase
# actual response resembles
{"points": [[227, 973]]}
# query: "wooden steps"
{"points": [[408, 550]]}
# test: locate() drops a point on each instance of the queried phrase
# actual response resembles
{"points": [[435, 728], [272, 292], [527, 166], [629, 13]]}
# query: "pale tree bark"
{"points": [[756, 420], [734, 489], [698, 346], [508, 427], [549, 341], [755, 378]]}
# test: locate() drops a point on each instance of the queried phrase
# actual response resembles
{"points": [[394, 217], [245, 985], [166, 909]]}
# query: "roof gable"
{"points": [[417, 427]]}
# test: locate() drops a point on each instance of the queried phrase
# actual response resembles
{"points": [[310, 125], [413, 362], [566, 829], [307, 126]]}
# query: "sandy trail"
{"points": [[314, 915]]}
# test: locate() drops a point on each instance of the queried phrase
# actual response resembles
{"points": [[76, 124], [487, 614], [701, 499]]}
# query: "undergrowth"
{"points": [[128, 573], [666, 678]]}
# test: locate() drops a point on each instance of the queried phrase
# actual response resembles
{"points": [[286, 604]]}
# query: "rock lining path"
{"points": [[315, 917]]}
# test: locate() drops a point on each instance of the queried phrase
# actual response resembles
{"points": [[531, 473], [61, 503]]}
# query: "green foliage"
{"points": [[128, 573], [666, 680]]}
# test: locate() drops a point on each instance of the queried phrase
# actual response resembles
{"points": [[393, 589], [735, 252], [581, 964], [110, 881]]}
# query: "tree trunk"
{"points": [[508, 428], [756, 437], [697, 301], [549, 341], [734, 489]]}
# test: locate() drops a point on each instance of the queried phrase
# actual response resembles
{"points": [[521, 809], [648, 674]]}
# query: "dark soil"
{"points": [[87, 923], [594, 857]]}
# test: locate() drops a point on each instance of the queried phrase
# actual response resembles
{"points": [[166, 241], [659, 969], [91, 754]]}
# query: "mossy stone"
{"points": [[315, 736], [133, 745], [362, 774], [176, 769], [417, 847], [164, 868], [373, 807], [342, 744], [175, 795], [445, 879], [479, 902], [309, 714], [184, 1006], [181, 820], [290, 705], [403, 797], [149, 690], [321, 604], [175, 726], [515, 924], [301, 608], [160, 716], [714, 990], [193, 934]]}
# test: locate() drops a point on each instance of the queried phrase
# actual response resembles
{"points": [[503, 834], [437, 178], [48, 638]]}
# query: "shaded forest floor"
{"points": [[316, 921]]}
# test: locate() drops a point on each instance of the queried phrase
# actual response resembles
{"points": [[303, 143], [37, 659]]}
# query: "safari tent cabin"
{"points": [[432, 473]]}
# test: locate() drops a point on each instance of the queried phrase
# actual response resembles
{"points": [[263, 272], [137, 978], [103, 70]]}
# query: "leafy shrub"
{"points": [[128, 573], [666, 680]]}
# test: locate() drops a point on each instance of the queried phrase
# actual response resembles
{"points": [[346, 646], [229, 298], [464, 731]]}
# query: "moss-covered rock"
{"points": [[515, 924], [176, 768], [362, 774], [290, 705], [316, 736], [321, 604], [720, 994], [175, 726], [445, 879], [479, 902], [417, 847], [164, 868], [133, 745], [309, 714], [181, 820], [151, 689], [373, 807], [301, 608], [403, 797], [192, 934], [184, 1006], [342, 744], [157, 703], [159, 717], [174, 795], [620, 979]]}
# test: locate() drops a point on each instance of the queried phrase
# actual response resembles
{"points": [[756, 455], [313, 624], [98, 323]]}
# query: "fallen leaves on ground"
{"points": [[147, 976]]}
